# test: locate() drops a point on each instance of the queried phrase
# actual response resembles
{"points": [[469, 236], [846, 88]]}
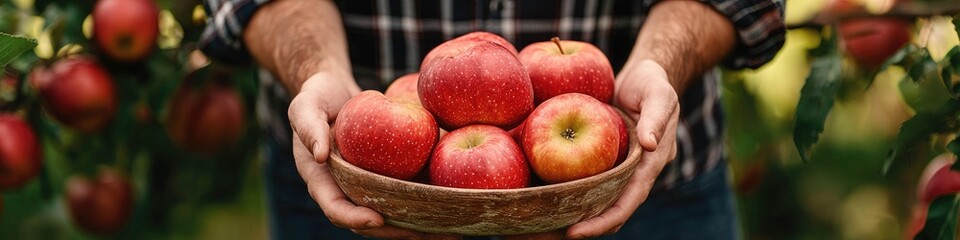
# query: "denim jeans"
{"points": [[702, 208]]}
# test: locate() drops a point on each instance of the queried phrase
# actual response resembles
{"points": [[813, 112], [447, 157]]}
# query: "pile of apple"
{"points": [[543, 110]]}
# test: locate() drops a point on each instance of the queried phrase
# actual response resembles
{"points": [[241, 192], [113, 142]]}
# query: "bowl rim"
{"points": [[632, 160]]}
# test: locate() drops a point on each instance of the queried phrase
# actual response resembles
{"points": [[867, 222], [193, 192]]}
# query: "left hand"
{"points": [[645, 94]]}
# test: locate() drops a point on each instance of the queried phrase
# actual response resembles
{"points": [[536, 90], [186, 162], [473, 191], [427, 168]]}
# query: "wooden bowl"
{"points": [[483, 212]]}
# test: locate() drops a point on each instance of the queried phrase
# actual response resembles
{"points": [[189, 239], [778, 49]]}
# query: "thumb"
{"points": [[309, 123], [656, 111]]}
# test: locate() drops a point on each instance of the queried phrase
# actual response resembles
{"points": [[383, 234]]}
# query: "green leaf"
{"points": [[953, 58], [954, 147], [941, 219], [921, 87], [920, 127], [956, 24], [817, 95], [12, 46], [906, 54]]}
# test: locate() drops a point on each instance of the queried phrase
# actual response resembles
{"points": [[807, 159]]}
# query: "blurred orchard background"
{"points": [[178, 155]]}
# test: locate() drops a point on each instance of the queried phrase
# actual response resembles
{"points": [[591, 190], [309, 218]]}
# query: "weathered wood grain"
{"points": [[478, 212]]}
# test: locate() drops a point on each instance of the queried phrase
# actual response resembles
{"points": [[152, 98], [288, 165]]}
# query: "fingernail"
{"points": [[653, 138], [372, 224]]}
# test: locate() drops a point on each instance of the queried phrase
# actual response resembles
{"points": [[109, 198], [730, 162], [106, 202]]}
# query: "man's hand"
{"points": [[322, 94], [311, 60], [679, 41], [645, 94]]}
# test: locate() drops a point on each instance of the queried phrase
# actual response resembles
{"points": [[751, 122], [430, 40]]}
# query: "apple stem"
{"points": [[556, 40]]}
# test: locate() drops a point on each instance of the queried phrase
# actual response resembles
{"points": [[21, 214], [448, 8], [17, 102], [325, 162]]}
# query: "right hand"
{"points": [[319, 100]]}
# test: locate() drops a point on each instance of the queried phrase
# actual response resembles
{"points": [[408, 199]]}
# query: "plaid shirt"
{"points": [[388, 38]]}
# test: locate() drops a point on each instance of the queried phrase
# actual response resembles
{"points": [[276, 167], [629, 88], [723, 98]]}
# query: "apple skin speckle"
{"points": [[387, 136], [492, 160], [583, 69], [484, 84]]}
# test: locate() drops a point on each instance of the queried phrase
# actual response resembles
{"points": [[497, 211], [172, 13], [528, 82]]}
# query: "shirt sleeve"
{"points": [[222, 38], [759, 26]]}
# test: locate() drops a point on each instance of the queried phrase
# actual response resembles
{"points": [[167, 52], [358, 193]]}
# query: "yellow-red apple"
{"points": [[569, 137]]}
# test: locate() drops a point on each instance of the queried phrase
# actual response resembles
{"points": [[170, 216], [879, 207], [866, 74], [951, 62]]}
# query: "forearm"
{"points": [[686, 38], [295, 39]]}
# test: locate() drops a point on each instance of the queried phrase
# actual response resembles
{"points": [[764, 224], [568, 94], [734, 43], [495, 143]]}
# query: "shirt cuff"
{"points": [[759, 26], [222, 38]]}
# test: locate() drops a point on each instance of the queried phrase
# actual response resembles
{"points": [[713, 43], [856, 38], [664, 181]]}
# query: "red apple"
{"points": [[385, 136], [870, 41], [624, 135], [918, 218], [207, 119], [517, 133], [843, 7], [481, 83], [938, 179], [569, 137], [78, 92], [466, 39], [100, 206], [126, 30], [404, 88], [20, 154], [559, 67], [479, 157]]}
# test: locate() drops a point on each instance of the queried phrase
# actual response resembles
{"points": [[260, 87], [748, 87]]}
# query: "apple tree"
{"points": [[863, 41], [138, 130]]}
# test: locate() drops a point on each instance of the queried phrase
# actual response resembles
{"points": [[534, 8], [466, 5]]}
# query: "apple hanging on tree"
{"points": [[557, 67], [20, 153], [78, 92], [206, 119], [870, 41], [126, 30], [100, 206], [937, 180], [479, 157]]}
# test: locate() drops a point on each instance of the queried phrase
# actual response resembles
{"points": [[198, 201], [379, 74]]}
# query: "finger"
{"points": [[656, 111], [635, 193], [309, 123], [326, 192], [614, 230]]}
